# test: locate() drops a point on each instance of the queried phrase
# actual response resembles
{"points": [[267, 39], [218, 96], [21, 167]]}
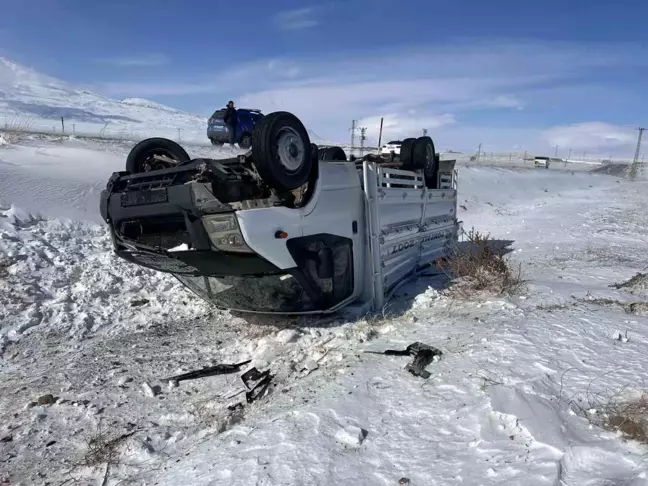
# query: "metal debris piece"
{"points": [[256, 383], [219, 369], [423, 356]]}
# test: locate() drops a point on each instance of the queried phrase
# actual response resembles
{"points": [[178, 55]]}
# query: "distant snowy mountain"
{"points": [[148, 104], [33, 98]]}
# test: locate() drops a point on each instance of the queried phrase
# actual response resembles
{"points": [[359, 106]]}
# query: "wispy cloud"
{"points": [[594, 137], [464, 93], [300, 18], [144, 60]]}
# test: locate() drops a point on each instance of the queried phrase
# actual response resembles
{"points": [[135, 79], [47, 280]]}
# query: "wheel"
{"points": [[314, 153], [407, 153], [334, 154], [140, 158], [246, 141], [215, 143], [282, 151], [424, 158]]}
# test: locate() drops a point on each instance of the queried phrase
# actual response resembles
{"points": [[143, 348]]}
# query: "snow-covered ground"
{"points": [[501, 407], [35, 101]]}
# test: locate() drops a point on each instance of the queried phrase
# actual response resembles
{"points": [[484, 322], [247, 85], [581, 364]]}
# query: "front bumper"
{"points": [[150, 215]]}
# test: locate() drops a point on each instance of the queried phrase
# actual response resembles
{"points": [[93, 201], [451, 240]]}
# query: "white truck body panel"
{"points": [[400, 225]]}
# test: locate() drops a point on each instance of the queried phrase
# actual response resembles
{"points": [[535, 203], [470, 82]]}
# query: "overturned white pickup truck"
{"points": [[286, 228]]}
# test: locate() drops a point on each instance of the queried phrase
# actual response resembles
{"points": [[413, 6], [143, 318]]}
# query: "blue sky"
{"points": [[504, 73]]}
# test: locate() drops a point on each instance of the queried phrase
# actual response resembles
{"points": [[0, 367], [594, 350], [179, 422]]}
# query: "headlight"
{"points": [[225, 234]]}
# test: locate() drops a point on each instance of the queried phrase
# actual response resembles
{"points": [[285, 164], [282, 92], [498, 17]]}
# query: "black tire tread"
{"points": [[429, 167], [407, 154]]}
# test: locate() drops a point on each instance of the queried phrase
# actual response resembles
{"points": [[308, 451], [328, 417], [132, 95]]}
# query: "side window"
{"points": [[219, 114]]}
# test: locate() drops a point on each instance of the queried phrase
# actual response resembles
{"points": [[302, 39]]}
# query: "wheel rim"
{"points": [[290, 149]]}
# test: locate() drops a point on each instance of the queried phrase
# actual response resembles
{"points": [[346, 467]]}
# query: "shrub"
{"points": [[479, 265]]}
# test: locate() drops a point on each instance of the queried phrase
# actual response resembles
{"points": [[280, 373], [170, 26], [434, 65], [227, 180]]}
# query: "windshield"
{"points": [[270, 293]]}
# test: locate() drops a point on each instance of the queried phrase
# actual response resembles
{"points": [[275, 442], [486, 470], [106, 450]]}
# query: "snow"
{"points": [[510, 401], [101, 335]]}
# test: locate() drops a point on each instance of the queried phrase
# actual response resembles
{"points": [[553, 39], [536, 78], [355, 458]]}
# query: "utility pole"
{"points": [[569, 156], [479, 152], [556, 154], [634, 168], [425, 132], [636, 156], [353, 130], [380, 134], [363, 137]]}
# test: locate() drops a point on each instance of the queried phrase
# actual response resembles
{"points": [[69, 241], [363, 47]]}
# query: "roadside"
{"points": [[100, 336]]}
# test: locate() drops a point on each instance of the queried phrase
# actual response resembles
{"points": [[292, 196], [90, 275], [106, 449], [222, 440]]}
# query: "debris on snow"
{"points": [[423, 356], [150, 391], [351, 436], [46, 400], [256, 383], [219, 369]]}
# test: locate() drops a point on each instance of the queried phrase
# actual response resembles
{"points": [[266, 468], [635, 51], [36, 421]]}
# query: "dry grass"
{"points": [[104, 448], [638, 282], [636, 308], [480, 266], [15, 128], [627, 417]]}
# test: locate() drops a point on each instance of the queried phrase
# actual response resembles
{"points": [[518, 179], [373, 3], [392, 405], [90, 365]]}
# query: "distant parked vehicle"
{"points": [[218, 131], [545, 161], [394, 146]]}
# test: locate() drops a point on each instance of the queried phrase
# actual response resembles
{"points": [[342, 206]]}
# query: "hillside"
{"points": [[28, 97]]}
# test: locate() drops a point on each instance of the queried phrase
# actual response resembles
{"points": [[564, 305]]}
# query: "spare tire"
{"points": [[407, 154], [282, 151], [140, 158], [336, 154], [424, 158]]}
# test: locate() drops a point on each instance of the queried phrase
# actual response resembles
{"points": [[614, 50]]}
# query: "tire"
{"points": [[139, 158], [424, 158], [215, 143], [314, 153], [334, 154], [246, 141], [282, 151], [407, 154]]}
